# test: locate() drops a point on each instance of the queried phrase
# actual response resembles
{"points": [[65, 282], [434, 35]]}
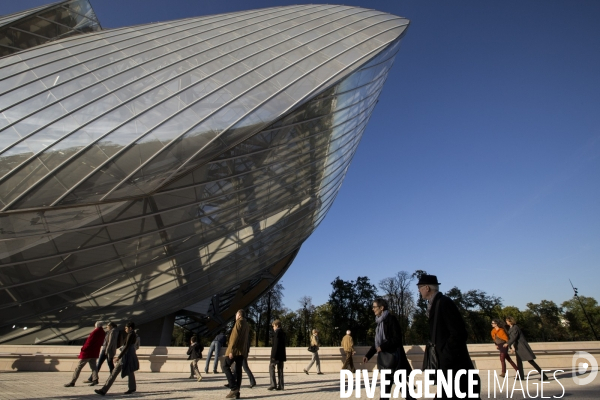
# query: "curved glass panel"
{"points": [[133, 191]]}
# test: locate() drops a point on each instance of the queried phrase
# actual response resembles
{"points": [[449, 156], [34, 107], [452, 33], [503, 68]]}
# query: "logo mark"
{"points": [[583, 367]]}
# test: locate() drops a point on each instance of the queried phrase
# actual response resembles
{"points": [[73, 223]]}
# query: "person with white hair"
{"points": [[348, 346], [107, 351], [89, 353]]}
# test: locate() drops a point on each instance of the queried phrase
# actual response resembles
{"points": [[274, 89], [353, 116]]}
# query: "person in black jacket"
{"points": [[125, 364], [278, 356], [450, 335], [195, 354], [388, 344]]}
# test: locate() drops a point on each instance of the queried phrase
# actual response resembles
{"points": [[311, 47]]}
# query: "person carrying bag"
{"points": [[388, 344]]}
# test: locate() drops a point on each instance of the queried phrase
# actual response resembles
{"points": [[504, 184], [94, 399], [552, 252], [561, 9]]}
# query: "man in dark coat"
{"points": [[195, 353], [126, 363], [450, 336], [278, 356], [388, 339], [89, 353]]}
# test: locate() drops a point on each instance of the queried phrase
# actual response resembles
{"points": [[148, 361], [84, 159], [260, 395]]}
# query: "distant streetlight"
{"points": [[305, 322], [584, 313]]}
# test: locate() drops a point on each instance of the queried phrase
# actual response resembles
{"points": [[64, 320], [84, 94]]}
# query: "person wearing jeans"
{"points": [[215, 346], [314, 341]]}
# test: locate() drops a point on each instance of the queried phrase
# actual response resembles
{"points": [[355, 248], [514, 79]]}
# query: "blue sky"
{"points": [[481, 161]]}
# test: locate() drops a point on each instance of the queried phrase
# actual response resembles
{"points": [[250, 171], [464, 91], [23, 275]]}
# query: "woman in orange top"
{"points": [[500, 338]]}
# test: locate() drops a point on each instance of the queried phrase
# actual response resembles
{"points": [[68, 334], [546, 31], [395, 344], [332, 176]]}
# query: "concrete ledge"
{"points": [[553, 355]]}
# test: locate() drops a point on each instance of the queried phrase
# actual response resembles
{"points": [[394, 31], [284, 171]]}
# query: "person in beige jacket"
{"points": [[314, 341], [348, 346], [237, 352]]}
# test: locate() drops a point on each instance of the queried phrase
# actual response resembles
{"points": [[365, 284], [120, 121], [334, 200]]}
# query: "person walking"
{"points": [[521, 347], [236, 352], [107, 352], [388, 344], [215, 346], [249, 373], [500, 338], [348, 346], [89, 353], [448, 334], [246, 368], [278, 357], [314, 343], [127, 363], [195, 353], [138, 340]]}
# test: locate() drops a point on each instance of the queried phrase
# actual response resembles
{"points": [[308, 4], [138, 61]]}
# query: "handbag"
{"points": [[430, 358], [499, 341], [387, 360], [313, 349]]}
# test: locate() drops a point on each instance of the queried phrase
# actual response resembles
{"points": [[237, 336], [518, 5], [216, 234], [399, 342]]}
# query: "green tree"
{"points": [[321, 319], [292, 324], [477, 309], [577, 323], [351, 306], [549, 320], [263, 312]]}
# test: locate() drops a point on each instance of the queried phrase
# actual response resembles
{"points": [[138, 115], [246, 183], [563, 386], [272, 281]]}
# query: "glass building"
{"points": [[174, 169], [40, 25]]}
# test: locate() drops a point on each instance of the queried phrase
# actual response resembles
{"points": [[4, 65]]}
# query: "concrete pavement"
{"points": [[49, 385]]}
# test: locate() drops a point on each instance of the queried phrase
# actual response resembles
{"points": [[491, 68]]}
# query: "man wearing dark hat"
{"points": [[450, 336]]}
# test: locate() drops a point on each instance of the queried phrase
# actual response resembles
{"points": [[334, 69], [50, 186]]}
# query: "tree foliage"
{"points": [[351, 307]]}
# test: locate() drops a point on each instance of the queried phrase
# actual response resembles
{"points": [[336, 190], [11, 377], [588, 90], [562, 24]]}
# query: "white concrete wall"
{"points": [[553, 355]]}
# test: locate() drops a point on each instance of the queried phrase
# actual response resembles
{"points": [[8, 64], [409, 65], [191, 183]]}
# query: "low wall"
{"points": [[554, 355]]}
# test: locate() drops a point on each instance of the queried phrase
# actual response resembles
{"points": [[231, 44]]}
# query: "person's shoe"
{"points": [[215, 371], [227, 385], [233, 395], [191, 377], [70, 384], [199, 377], [306, 372], [129, 391], [206, 371], [100, 392], [271, 388], [502, 375], [87, 381], [545, 378], [94, 383], [252, 385], [320, 373], [278, 388]]}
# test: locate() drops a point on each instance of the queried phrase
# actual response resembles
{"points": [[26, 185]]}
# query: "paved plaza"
{"points": [[49, 385]]}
